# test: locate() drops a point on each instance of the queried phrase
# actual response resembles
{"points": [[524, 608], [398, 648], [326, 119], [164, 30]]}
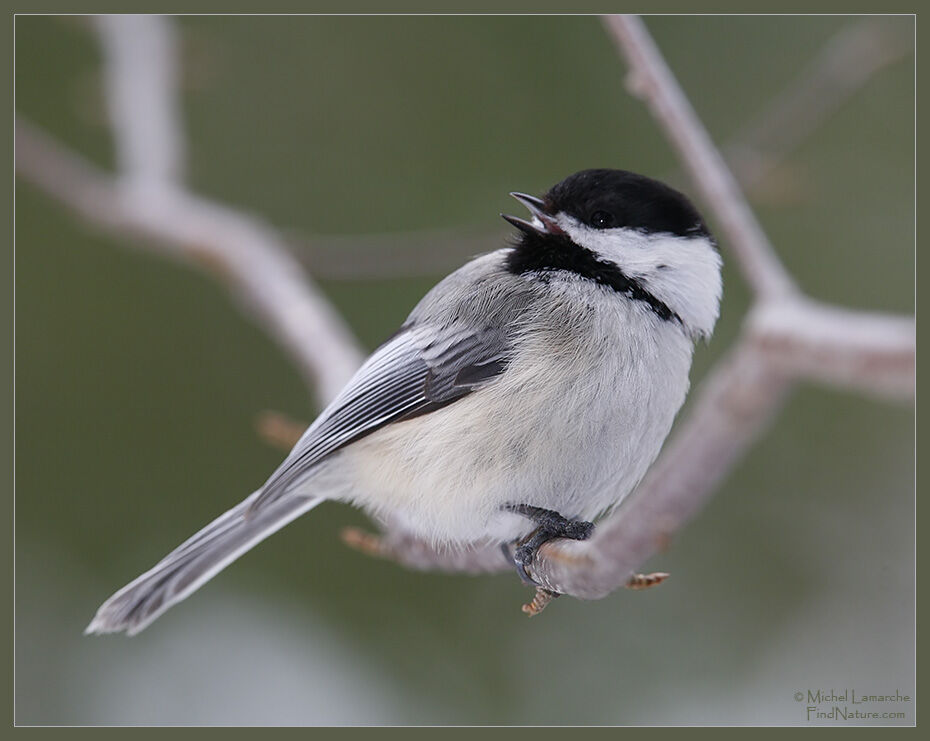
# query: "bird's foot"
{"points": [[550, 525]]}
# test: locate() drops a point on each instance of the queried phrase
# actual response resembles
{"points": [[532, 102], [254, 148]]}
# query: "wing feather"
{"points": [[417, 371]]}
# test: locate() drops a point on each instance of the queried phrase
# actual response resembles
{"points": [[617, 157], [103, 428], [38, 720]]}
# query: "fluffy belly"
{"points": [[448, 474]]}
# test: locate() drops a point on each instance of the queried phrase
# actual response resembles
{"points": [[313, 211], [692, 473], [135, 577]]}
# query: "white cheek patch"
{"points": [[682, 272]]}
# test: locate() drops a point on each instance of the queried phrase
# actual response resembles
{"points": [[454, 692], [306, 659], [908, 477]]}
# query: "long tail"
{"points": [[195, 562]]}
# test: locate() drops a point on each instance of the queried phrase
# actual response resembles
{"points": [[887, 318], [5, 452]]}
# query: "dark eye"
{"points": [[602, 220]]}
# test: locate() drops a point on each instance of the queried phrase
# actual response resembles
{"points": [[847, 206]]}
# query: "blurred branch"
{"points": [[849, 59], [785, 338], [239, 250], [140, 54], [845, 64], [867, 352], [732, 408], [651, 79], [279, 430], [386, 256], [146, 200]]}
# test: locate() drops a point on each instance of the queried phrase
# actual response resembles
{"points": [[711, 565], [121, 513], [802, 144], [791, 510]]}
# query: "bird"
{"points": [[525, 395]]}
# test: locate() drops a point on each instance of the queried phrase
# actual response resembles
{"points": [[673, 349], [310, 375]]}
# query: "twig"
{"points": [[396, 545], [279, 430], [427, 252], [639, 582], [539, 602], [845, 64]]}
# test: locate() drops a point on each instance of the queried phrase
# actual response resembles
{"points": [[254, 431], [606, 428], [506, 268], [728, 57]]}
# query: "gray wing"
{"points": [[417, 371]]}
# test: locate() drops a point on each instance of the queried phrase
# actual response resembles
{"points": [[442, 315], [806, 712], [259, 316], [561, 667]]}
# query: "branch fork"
{"points": [[786, 337]]}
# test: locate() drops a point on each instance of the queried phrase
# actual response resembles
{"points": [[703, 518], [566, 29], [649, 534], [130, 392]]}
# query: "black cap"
{"points": [[616, 198]]}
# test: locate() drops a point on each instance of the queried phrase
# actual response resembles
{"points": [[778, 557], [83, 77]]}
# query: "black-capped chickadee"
{"points": [[527, 393]]}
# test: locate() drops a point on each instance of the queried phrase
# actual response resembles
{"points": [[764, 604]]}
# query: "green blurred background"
{"points": [[139, 381]]}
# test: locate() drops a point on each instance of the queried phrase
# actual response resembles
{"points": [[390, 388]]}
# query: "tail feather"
{"points": [[197, 560]]}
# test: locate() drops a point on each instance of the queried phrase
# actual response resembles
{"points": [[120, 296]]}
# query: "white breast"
{"points": [[572, 426]]}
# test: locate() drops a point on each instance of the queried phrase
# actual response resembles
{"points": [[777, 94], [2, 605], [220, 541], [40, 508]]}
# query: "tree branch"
{"points": [[140, 74], [240, 251], [148, 200], [651, 79], [849, 59], [786, 338], [861, 351]]}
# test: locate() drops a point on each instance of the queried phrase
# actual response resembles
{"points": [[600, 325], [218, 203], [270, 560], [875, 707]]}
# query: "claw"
{"points": [[523, 557], [551, 525]]}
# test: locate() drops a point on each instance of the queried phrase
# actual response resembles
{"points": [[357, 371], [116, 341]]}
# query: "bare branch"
{"points": [[426, 252], [243, 252], [733, 407], [845, 64], [786, 338], [651, 79], [400, 546], [141, 82], [861, 351], [147, 200]]}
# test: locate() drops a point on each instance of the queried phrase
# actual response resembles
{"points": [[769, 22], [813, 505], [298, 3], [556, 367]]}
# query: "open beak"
{"points": [[542, 222]]}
